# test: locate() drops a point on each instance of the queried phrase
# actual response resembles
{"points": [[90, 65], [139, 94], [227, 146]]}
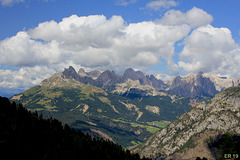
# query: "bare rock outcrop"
{"points": [[221, 114]]}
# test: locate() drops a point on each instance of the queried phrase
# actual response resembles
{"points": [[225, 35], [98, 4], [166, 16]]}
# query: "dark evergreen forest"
{"points": [[26, 135], [225, 146]]}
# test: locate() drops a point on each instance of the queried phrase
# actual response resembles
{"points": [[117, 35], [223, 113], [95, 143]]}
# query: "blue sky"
{"points": [[161, 37], [29, 13]]}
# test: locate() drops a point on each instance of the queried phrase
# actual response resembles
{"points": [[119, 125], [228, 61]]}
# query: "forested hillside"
{"points": [[27, 135]]}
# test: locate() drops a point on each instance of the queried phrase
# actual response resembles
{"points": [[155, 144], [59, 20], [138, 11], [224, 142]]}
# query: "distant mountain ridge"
{"points": [[222, 83], [109, 79], [193, 86]]}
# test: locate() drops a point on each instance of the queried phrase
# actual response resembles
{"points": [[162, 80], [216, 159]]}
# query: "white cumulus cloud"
{"points": [[210, 49], [94, 30], [22, 50], [25, 77], [195, 17], [93, 41]]}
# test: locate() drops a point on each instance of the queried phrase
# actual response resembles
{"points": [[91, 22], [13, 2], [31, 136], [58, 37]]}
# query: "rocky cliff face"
{"points": [[70, 73], [193, 86], [94, 74], [222, 114], [157, 83], [131, 74], [222, 83], [109, 79], [82, 72], [144, 80]]}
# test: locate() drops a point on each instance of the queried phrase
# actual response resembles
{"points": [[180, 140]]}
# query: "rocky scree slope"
{"points": [[221, 114]]}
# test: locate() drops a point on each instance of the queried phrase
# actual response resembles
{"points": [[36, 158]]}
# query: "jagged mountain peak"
{"points": [[129, 70], [109, 79], [70, 73], [193, 86], [144, 80], [197, 86], [70, 69], [133, 75], [82, 72], [191, 77], [107, 75], [57, 81], [222, 82], [200, 73], [94, 74]]}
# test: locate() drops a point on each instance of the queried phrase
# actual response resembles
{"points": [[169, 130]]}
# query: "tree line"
{"points": [[27, 135]]}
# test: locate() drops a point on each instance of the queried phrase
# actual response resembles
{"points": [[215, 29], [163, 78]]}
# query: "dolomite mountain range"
{"points": [[192, 86]]}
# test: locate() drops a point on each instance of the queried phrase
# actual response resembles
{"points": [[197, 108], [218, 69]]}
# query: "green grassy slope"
{"points": [[127, 121]]}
